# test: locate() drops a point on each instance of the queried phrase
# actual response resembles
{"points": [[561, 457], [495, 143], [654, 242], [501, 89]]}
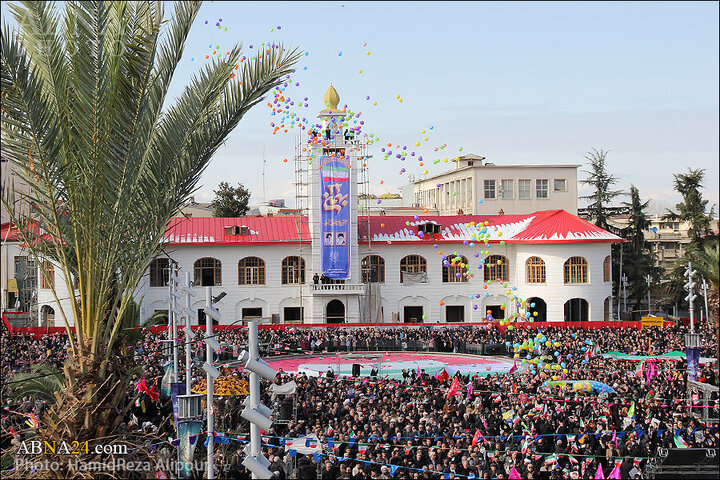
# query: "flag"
{"points": [[362, 448], [514, 368], [443, 376], [477, 437], [680, 442], [550, 459], [614, 438], [599, 473], [615, 472], [514, 474], [524, 447], [330, 430], [453, 388], [292, 330], [631, 411], [469, 390], [573, 460]]}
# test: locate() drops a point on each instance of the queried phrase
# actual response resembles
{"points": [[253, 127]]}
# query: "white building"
{"points": [[478, 187], [266, 266]]}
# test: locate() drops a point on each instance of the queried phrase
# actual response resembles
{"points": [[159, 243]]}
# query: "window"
{"points": [[454, 270], [534, 270], [48, 276], [208, 272], [251, 271], [524, 189], [373, 269], [159, 272], [293, 270], [496, 268], [412, 264], [489, 189], [576, 270], [506, 190], [541, 188], [560, 185], [606, 269]]}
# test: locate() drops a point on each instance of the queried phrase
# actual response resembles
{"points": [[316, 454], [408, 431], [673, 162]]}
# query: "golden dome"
{"points": [[331, 98]]}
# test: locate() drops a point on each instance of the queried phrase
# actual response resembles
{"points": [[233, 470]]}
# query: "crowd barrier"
{"points": [[38, 332]]}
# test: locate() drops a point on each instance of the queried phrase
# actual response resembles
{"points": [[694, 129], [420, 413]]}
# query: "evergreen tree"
{"points": [[638, 257], [229, 201], [693, 209], [601, 181]]}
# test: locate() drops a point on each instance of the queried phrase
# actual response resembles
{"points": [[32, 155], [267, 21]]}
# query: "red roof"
{"points": [[549, 226], [545, 227], [261, 231], [9, 233]]}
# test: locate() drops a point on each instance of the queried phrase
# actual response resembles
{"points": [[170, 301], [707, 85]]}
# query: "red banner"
{"points": [[38, 332]]}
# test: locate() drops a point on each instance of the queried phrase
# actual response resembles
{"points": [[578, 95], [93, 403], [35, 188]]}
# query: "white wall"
{"points": [[274, 296]]}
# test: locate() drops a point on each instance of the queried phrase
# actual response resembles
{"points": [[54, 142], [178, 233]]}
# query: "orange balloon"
{"points": [[442, 303]]}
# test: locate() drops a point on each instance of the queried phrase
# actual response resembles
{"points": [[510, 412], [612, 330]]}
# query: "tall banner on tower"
{"points": [[335, 216]]}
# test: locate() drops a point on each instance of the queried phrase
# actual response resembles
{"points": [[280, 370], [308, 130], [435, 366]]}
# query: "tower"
{"points": [[334, 151]]}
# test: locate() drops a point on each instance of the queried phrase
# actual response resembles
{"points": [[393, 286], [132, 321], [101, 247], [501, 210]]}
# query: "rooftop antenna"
{"points": [[263, 174]]}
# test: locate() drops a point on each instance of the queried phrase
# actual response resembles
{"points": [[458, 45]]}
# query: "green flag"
{"points": [[631, 412]]}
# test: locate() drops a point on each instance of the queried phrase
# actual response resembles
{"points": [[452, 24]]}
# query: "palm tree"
{"points": [[42, 382], [705, 262], [86, 122]]}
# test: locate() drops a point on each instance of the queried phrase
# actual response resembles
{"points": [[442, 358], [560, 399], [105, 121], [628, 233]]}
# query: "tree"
{"points": [[111, 160], [601, 181], [639, 259], [706, 262], [229, 201], [693, 209]]}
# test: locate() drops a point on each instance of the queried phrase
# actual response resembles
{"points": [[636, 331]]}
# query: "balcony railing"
{"points": [[337, 288]]}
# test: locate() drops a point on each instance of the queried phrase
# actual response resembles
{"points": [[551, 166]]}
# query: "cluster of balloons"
{"points": [[529, 352]]}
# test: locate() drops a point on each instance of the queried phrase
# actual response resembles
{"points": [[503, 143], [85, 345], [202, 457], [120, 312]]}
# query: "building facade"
{"points": [[477, 187]]}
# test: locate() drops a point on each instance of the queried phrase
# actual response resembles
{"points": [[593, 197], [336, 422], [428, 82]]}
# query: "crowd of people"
{"points": [[494, 426]]}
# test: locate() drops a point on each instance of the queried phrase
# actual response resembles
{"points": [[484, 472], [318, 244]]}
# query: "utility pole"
{"points": [[692, 340], [707, 312], [174, 315], [255, 412], [190, 315], [624, 288], [211, 345], [690, 287], [648, 278]]}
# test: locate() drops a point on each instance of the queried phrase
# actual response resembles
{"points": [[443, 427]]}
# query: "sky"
{"points": [[515, 82]]}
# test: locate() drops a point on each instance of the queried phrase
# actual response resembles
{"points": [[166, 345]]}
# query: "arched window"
{"points": [[496, 268], [159, 272], [454, 270], [251, 271], [48, 275], [412, 264], [576, 270], [534, 270], [373, 269], [607, 269], [208, 272], [293, 270]]}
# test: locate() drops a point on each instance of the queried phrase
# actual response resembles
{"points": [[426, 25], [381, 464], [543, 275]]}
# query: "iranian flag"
{"points": [[362, 448], [680, 442], [550, 459], [336, 172]]}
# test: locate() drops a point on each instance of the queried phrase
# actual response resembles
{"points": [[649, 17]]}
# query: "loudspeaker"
{"points": [[356, 370], [286, 409]]}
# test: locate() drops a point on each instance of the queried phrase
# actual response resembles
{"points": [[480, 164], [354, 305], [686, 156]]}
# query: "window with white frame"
{"points": [[489, 189], [506, 190], [560, 185], [524, 189], [541, 188]]}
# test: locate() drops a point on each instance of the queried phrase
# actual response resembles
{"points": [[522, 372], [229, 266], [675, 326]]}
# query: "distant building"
{"points": [[477, 187]]}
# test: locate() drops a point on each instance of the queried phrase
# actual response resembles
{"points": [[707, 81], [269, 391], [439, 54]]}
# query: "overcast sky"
{"points": [[518, 83]]}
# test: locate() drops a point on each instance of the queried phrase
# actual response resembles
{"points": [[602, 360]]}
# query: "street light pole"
{"points": [[624, 283], [707, 312], [648, 278]]}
